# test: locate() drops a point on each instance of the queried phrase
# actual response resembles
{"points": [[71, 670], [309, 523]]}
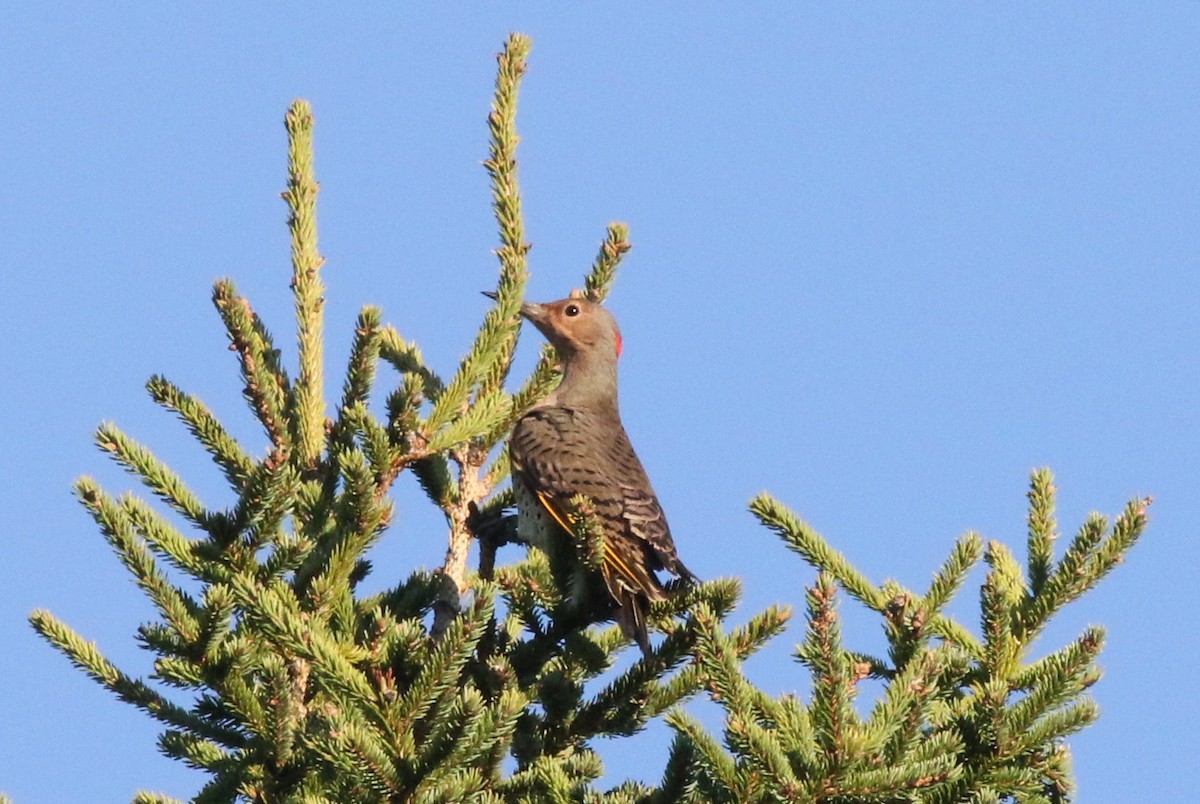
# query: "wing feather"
{"points": [[546, 447]]}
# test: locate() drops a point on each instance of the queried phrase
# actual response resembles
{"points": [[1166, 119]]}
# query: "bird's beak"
{"points": [[534, 312]]}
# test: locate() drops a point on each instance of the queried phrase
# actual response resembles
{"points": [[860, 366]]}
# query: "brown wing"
{"points": [[560, 452]]}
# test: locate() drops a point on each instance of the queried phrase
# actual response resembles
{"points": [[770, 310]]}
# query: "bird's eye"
{"points": [[571, 310]]}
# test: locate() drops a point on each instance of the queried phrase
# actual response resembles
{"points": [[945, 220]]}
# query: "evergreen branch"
{"points": [[142, 797], [202, 424], [1088, 558], [437, 481], [499, 428], [545, 780], [463, 784], [404, 427], [217, 621], [361, 516], [177, 672], [985, 717], [950, 577], [894, 727], [266, 383], [495, 474], [887, 782], [88, 658], [1066, 581], [277, 611], [752, 718], [482, 417], [412, 599], [813, 548], [1074, 660], [194, 751], [443, 666], [1058, 784], [164, 640], [875, 667], [709, 759], [720, 668], [307, 401], [628, 792], [239, 693], [501, 166], [904, 624], [678, 782], [794, 722], [168, 542], [765, 756], [376, 443], [364, 353], [454, 401], [1019, 781], [760, 629], [1125, 532], [225, 788], [406, 358], [176, 606], [269, 496], [540, 382], [446, 727], [835, 723], [138, 460], [604, 269], [744, 640], [1002, 593], [937, 744], [146, 797], [1055, 680], [483, 736], [984, 794], [360, 750], [1058, 724], [721, 595], [335, 601], [287, 687], [553, 779], [314, 795], [289, 552], [1042, 528], [487, 364], [956, 635], [632, 698]]}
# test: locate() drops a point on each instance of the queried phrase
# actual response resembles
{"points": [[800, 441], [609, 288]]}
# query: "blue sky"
{"points": [[886, 261]]}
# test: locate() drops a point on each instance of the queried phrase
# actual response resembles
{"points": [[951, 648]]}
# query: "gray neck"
{"points": [[589, 381]]}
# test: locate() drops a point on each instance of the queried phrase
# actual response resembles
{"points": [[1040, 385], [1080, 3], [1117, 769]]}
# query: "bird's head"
{"points": [[576, 326]]}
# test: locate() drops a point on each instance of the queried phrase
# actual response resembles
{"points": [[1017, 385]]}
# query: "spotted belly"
{"points": [[540, 530]]}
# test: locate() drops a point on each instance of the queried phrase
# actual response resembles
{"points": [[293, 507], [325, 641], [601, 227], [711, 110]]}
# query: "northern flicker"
{"points": [[573, 443]]}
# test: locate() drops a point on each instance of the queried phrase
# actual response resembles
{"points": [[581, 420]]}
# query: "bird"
{"points": [[572, 444]]}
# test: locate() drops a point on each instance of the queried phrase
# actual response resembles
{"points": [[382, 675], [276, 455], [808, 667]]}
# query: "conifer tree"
{"points": [[282, 681], [961, 718]]}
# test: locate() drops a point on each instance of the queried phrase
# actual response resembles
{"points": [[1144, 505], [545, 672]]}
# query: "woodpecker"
{"points": [[572, 443]]}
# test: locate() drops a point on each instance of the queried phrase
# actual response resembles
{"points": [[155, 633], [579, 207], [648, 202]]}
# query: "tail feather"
{"points": [[684, 573], [632, 609]]}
